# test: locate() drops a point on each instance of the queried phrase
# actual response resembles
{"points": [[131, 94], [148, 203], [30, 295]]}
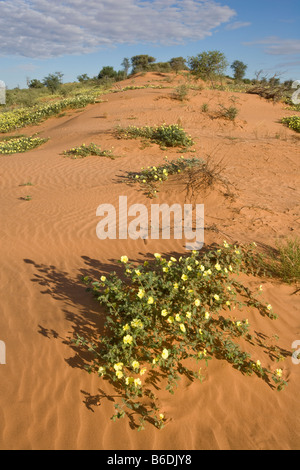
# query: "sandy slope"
{"points": [[47, 400]]}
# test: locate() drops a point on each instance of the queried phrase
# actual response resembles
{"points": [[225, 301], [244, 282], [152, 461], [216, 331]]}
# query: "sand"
{"points": [[47, 399]]}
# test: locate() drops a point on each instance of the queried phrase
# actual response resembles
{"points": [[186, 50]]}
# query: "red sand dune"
{"points": [[47, 399]]}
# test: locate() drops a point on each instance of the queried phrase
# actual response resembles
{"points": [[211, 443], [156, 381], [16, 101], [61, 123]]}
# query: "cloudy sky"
{"points": [[38, 37]]}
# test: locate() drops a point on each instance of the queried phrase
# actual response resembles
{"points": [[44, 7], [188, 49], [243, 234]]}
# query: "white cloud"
{"points": [[237, 25], [44, 28], [277, 46]]}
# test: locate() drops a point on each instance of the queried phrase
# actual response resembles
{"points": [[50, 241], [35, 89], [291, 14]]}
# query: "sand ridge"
{"points": [[47, 399]]}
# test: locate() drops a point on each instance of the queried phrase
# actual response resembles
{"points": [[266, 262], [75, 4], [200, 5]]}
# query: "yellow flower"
{"points": [[101, 371], [141, 293], [135, 364], [150, 300], [189, 268], [175, 286], [137, 382], [202, 268], [124, 259], [157, 255], [103, 278], [216, 297], [238, 323], [225, 244], [197, 302], [137, 272], [161, 416], [165, 270], [143, 371], [177, 317], [170, 320], [218, 267], [182, 327], [184, 277], [118, 366], [227, 303], [200, 331], [164, 312], [137, 323], [129, 380], [126, 327], [269, 307], [188, 315], [206, 316], [278, 372], [258, 363], [127, 339], [119, 374], [165, 354], [173, 259]]}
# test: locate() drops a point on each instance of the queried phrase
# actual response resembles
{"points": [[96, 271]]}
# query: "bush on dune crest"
{"points": [[163, 315]]}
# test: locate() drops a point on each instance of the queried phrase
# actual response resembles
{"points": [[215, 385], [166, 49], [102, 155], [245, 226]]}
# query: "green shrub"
{"points": [[150, 177], [181, 92], [86, 150], [285, 261], [20, 144], [163, 315], [230, 112], [293, 122], [166, 136]]}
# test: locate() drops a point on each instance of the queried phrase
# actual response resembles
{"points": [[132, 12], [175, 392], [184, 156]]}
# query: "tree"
{"points": [[208, 65], [107, 72], [53, 81], [83, 78], [239, 69], [126, 66], [34, 83], [177, 64], [141, 62]]}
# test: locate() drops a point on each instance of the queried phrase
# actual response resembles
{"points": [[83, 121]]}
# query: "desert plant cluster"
{"points": [[166, 316], [20, 144]]}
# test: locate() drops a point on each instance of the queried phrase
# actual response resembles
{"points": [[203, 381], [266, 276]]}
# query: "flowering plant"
{"points": [[166, 136], [164, 314], [150, 177], [20, 144]]}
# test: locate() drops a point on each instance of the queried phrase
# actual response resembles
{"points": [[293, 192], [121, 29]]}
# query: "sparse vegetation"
{"points": [[181, 92], [166, 136], [149, 178], [86, 150], [20, 144], [284, 262], [229, 112], [293, 122]]}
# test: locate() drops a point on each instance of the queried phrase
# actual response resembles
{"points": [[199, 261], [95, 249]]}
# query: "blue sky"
{"points": [[38, 37]]}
